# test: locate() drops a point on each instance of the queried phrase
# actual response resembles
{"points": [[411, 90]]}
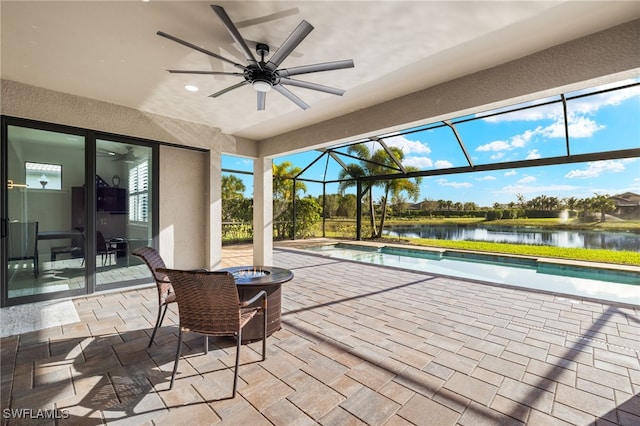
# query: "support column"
{"points": [[214, 243], [263, 212]]}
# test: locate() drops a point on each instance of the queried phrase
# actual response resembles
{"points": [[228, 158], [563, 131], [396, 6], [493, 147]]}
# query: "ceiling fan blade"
{"points": [[199, 49], [254, 45], [294, 39], [205, 72], [267, 18], [262, 97], [312, 86], [228, 89], [306, 69], [287, 94], [235, 34]]}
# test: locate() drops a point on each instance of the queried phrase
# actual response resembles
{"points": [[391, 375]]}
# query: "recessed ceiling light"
{"points": [[191, 88]]}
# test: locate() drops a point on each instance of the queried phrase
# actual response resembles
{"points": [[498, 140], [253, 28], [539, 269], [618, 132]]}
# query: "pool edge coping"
{"points": [[548, 260], [568, 296]]}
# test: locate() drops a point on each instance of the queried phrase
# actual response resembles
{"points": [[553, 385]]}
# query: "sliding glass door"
{"points": [[44, 251], [75, 204], [123, 209]]}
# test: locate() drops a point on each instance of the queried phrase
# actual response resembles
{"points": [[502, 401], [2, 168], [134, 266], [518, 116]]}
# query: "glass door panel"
{"points": [[45, 252], [123, 210]]}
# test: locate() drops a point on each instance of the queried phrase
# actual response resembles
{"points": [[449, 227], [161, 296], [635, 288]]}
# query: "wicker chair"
{"points": [[166, 295], [208, 303]]}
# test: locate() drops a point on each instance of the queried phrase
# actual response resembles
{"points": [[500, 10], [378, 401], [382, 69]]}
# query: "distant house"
{"points": [[627, 205]]}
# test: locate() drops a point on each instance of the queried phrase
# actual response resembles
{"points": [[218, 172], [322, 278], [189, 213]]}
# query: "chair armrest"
{"points": [[199, 270], [261, 294]]}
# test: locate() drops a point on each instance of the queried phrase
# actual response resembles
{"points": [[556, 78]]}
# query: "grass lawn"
{"points": [[588, 255], [554, 223]]}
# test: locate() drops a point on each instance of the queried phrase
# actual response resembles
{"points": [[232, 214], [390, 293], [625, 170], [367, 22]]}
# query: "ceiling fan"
{"points": [[264, 76], [127, 157]]}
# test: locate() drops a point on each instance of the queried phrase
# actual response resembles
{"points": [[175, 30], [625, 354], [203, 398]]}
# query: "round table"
{"points": [[269, 279]]}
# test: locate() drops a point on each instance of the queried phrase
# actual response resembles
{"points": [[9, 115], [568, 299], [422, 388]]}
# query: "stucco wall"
{"points": [[36, 103], [183, 207]]}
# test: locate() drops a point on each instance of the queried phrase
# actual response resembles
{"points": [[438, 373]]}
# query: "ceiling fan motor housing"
{"points": [[253, 73]]}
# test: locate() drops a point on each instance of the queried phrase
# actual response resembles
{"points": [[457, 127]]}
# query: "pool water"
{"points": [[596, 283]]}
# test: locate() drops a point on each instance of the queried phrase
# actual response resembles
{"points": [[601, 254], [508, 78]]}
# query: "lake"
{"points": [[520, 235]]}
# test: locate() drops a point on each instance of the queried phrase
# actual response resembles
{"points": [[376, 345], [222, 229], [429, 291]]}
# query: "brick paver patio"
{"points": [[360, 344]]}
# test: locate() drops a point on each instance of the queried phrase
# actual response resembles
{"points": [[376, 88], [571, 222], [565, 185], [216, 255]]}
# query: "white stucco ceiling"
{"points": [[109, 51]]}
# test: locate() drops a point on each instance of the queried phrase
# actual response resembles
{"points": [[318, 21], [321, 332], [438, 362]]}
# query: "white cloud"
{"points": [[527, 179], [554, 130], [583, 127], [596, 168], [510, 173], [542, 189], [519, 141], [445, 182], [408, 146], [494, 146], [533, 154], [584, 105], [579, 124], [443, 164], [591, 104], [579, 127], [418, 162], [529, 114], [486, 178]]}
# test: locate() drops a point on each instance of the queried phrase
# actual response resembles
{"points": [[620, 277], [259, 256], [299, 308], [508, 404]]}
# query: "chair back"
{"points": [[152, 258], [208, 302], [101, 243], [23, 240]]}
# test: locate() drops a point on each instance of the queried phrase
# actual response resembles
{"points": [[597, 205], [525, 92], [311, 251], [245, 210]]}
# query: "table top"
{"points": [[57, 235], [270, 275]]}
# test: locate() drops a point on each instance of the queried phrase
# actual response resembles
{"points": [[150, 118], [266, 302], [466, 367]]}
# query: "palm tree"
{"points": [[470, 206], [283, 193], [372, 164], [395, 187], [232, 187], [355, 171], [571, 202], [603, 204], [283, 175]]}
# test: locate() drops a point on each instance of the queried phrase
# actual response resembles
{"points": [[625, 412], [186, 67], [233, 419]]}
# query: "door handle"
{"points": [[11, 185]]}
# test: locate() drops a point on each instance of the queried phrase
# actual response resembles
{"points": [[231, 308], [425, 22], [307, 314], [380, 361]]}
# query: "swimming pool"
{"points": [[597, 283]]}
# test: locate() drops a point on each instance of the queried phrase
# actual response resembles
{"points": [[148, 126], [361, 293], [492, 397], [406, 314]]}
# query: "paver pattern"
{"points": [[360, 344]]}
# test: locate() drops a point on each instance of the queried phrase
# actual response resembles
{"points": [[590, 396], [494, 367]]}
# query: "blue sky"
{"points": [[601, 122]]}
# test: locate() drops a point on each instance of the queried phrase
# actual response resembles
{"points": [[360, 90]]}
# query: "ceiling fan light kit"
{"points": [[264, 76]]}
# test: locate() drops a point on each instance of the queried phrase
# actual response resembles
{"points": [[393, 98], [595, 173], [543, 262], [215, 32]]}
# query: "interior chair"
{"points": [[208, 303], [166, 295], [104, 249], [23, 243]]}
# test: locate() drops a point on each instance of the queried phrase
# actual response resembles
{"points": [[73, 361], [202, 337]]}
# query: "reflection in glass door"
{"points": [[123, 209], [45, 252]]}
